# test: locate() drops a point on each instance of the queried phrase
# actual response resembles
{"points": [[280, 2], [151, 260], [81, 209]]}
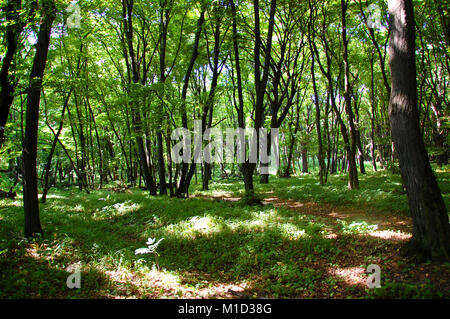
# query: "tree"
{"points": [[14, 27], [352, 169], [261, 77], [188, 171], [431, 233], [146, 167], [30, 191]]}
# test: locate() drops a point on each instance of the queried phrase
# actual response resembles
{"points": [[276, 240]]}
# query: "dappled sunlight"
{"points": [[213, 193], [194, 226], [8, 203], [352, 276], [292, 232], [115, 210], [267, 215], [275, 200], [189, 285], [331, 236], [337, 215], [201, 224], [78, 208], [33, 252], [55, 196], [213, 247], [174, 284], [390, 235], [232, 199]]}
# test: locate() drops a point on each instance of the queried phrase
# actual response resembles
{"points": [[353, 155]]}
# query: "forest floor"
{"points": [[303, 241]]}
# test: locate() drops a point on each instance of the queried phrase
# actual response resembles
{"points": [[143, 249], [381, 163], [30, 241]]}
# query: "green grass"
{"points": [[271, 252], [222, 240], [379, 191]]}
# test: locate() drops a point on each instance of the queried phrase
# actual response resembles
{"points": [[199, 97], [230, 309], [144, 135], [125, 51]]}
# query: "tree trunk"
{"points": [[52, 150], [431, 232], [353, 182], [127, 14], [13, 29], [186, 172], [372, 117], [318, 128], [30, 190], [304, 159], [261, 79]]}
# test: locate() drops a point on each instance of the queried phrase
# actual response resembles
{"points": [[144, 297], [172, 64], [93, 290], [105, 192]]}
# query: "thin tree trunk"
{"points": [[318, 128], [52, 150], [186, 173], [353, 171], [372, 117]]}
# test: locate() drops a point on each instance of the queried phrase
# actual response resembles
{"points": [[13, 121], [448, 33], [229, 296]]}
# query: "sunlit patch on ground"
{"points": [[54, 196], [390, 235], [5, 203], [33, 253], [212, 248], [331, 236], [117, 209], [352, 275], [213, 193], [231, 199], [78, 208], [202, 223], [159, 283]]}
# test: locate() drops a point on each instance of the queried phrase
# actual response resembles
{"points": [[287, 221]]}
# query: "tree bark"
{"points": [[322, 167], [127, 13], [30, 190], [431, 229], [261, 79], [13, 29], [186, 173], [353, 182]]}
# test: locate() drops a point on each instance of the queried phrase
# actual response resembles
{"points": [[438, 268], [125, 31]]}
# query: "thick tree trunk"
{"points": [[30, 190], [431, 232]]}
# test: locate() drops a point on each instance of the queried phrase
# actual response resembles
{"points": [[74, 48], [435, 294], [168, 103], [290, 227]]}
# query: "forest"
{"points": [[229, 149]]}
